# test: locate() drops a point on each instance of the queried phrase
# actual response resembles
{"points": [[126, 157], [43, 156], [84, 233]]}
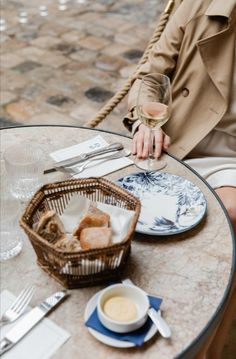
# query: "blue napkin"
{"points": [[137, 337]]}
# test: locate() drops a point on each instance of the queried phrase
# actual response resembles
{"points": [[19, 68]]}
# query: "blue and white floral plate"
{"points": [[170, 204]]}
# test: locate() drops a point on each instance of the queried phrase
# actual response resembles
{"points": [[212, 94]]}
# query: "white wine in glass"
{"points": [[153, 107]]}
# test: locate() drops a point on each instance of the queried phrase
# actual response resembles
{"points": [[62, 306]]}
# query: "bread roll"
{"points": [[93, 218], [68, 244], [95, 237], [50, 227]]}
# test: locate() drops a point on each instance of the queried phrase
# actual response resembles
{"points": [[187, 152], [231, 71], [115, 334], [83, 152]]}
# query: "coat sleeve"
{"points": [[162, 58]]}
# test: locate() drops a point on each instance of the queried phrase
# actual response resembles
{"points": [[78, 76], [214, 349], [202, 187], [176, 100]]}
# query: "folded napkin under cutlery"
{"points": [[50, 336], [98, 167], [85, 156], [136, 337], [81, 166]]}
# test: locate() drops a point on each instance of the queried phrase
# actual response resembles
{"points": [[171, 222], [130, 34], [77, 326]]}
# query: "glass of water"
{"points": [[24, 166], [10, 232]]}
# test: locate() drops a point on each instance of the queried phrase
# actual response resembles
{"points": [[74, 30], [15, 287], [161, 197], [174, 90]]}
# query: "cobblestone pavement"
{"points": [[61, 68]]}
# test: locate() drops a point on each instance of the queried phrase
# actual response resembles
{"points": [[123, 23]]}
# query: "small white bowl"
{"points": [[136, 295]]}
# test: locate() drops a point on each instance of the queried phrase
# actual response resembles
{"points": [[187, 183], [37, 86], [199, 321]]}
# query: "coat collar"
{"points": [[221, 8]]}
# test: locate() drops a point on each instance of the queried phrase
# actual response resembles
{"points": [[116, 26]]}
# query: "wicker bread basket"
{"points": [[87, 267]]}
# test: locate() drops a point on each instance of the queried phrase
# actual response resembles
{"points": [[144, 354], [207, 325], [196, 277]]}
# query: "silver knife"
{"points": [[85, 156], [156, 317], [101, 158], [30, 320]]}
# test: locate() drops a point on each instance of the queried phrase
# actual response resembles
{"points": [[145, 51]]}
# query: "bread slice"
{"points": [[50, 227], [68, 244]]}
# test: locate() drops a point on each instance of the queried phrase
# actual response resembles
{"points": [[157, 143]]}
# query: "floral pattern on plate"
{"points": [[170, 204]]}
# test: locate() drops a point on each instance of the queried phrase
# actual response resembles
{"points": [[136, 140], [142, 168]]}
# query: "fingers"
{"points": [[147, 145], [162, 142], [143, 143], [158, 140], [167, 142]]}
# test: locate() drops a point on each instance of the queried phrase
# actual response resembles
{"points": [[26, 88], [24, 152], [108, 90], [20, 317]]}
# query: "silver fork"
{"points": [[79, 169], [18, 306]]}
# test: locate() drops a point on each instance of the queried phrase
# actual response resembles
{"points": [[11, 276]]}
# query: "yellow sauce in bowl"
{"points": [[121, 309]]}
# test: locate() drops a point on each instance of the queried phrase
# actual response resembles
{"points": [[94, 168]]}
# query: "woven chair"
{"points": [[118, 97]]}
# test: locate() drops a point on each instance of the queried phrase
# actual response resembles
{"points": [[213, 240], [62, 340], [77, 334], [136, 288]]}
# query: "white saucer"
{"points": [[91, 305]]}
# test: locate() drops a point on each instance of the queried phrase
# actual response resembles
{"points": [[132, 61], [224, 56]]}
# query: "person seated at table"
{"points": [[197, 51]]}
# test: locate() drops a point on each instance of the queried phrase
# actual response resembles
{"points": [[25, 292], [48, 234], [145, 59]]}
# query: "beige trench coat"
{"points": [[196, 50]]}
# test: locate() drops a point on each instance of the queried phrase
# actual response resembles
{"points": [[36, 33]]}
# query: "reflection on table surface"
{"points": [[191, 271]]}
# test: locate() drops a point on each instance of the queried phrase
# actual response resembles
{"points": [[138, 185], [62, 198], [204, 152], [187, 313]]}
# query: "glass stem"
{"points": [[150, 150], [151, 147]]}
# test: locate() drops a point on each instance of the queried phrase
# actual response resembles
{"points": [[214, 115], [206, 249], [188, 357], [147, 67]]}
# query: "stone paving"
{"points": [[61, 68]]}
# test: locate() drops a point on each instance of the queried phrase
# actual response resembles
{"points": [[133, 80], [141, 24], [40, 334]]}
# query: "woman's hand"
{"points": [[142, 143]]}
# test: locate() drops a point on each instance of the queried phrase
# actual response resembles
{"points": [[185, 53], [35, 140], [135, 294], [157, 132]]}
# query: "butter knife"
{"points": [[155, 316], [30, 320], [85, 156]]}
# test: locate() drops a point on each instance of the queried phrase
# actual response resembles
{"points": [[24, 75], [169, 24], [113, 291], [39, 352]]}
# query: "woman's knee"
{"points": [[231, 210], [232, 213], [228, 197]]}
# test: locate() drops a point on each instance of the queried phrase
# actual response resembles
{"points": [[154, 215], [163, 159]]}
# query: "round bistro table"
{"points": [[191, 271]]}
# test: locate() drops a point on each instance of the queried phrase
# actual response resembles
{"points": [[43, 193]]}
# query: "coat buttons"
{"points": [[185, 92]]}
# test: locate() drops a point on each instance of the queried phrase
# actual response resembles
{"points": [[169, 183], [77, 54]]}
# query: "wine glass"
{"points": [[153, 108]]}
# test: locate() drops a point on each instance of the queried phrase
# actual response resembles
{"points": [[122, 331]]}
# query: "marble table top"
{"points": [[190, 271]]}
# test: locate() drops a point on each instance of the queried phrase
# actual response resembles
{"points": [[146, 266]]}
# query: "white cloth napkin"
{"points": [[120, 218], [97, 168], [40, 343], [161, 204]]}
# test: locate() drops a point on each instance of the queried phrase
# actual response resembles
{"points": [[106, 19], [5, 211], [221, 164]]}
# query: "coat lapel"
{"points": [[218, 67], [223, 43]]}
